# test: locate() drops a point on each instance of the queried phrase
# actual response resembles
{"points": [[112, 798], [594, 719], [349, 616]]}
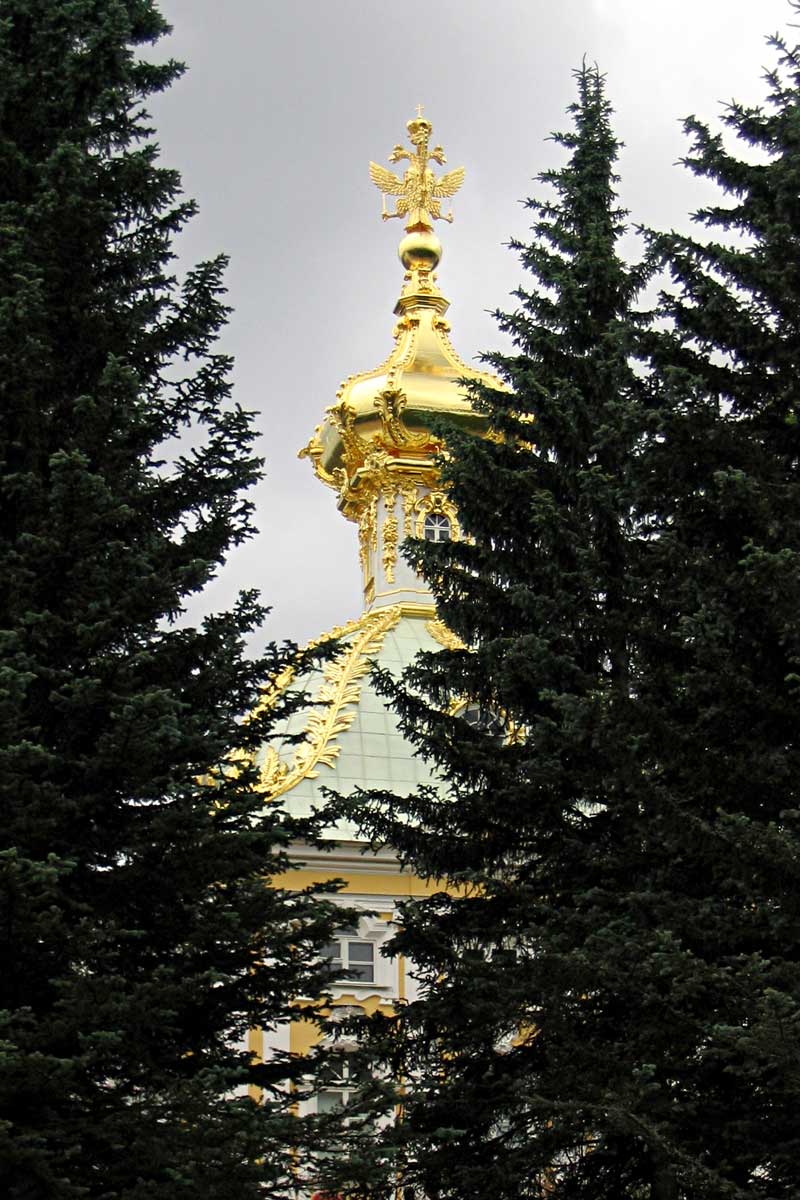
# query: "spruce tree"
{"points": [[718, 689], [610, 1003], [506, 1056], [138, 938]]}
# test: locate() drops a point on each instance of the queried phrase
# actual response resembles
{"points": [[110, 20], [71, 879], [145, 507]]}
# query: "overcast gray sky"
{"points": [[284, 104]]}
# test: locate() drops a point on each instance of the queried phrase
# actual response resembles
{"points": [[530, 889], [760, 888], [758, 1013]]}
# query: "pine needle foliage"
{"points": [[138, 940]]}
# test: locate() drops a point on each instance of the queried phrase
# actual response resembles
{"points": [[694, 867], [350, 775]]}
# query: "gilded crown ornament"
{"points": [[419, 192]]}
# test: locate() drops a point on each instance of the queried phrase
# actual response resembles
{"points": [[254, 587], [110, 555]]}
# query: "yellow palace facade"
{"points": [[375, 450]]}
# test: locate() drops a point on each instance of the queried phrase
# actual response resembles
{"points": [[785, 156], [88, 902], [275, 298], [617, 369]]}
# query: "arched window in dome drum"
{"points": [[436, 528], [483, 719]]}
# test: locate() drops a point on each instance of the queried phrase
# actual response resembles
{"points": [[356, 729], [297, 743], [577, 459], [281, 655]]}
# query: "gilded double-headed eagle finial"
{"points": [[419, 192]]}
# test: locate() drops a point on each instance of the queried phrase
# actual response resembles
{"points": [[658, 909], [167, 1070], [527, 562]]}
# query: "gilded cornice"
{"points": [[333, 706], [395, 459]]}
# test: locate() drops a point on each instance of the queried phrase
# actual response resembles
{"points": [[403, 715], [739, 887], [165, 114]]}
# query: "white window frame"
{"points": [[345, 1089], [439, 527], [373, 931], [344, 939]]}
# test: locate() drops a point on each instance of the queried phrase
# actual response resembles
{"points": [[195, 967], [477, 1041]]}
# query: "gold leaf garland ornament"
{"points": [[334, 705], [444, 636]]}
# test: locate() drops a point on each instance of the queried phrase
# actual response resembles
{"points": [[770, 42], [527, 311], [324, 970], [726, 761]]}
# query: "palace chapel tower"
{"points": [[375, 450]]}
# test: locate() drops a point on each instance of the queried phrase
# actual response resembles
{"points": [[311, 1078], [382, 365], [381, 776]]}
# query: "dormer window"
{"points": [[436, 528]]}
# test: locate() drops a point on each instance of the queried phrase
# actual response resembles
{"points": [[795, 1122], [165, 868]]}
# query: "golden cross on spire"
{"points": [[419, 191]]}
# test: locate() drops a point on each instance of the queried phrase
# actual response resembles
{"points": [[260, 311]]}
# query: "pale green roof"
{"points": [[352, 738]]}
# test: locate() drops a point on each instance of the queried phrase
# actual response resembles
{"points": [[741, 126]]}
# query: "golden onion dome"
{"points": [[381, 419]]}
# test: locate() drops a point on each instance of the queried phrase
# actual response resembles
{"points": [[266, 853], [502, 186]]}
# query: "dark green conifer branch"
{"points": [[138, 940], [502, 1082], [610, 988]]}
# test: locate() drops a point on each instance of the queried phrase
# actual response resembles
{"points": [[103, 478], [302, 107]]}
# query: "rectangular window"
{"points": [[361, 961], [343, 1088], [350, 957], [330, 1101]]}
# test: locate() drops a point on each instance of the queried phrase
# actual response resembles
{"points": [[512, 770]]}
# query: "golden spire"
{"points": [[375, 446]]}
